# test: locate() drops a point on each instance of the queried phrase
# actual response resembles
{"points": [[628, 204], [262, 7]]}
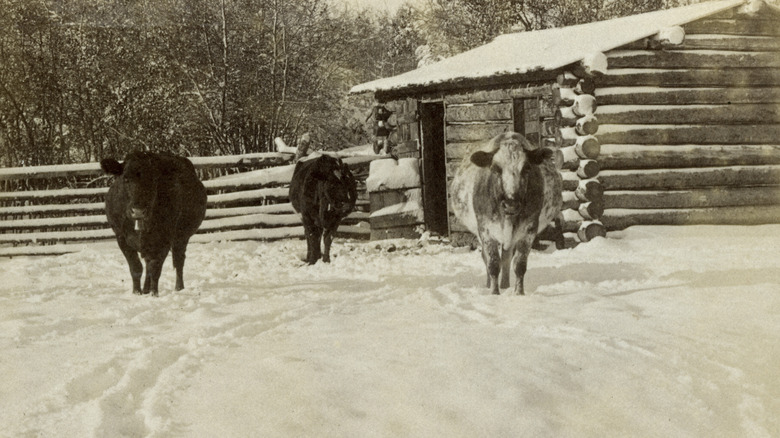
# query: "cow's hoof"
{"points": [[137, 292]]}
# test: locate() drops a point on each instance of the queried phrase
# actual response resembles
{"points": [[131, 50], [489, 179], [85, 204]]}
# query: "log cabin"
{"points": [[666, 117]]}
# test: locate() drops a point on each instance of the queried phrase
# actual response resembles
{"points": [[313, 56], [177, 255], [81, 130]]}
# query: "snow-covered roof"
{"points": [[545, 50]]}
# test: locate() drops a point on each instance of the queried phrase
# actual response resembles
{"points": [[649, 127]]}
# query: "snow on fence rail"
{"points": [[263, 159], [251, 205]]}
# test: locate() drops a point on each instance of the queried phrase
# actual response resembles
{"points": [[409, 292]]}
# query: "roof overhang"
{"points": [[523, 55]]}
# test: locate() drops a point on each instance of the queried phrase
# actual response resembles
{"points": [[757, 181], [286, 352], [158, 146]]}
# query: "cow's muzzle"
{"points": [[511, 208], [136, 213]]}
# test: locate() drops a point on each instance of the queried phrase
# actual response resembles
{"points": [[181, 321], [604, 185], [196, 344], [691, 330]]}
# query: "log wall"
{"points": [[583, 202], [245, 206], [690, 133]]}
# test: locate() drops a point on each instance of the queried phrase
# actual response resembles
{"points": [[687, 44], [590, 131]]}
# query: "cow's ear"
{"points": [[112, 166], [482, 158], [538, 156]]}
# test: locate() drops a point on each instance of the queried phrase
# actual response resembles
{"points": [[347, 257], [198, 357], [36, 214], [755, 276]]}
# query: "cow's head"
{"points": [[140, 173], [339, 190], [512, 158]]}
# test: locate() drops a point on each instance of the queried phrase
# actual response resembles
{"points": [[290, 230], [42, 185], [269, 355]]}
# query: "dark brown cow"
{"points": [[506, 193], [324, 191], [154, 206]]}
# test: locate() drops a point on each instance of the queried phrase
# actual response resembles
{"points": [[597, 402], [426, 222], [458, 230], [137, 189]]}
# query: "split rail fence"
{"points": [[50, 210]]}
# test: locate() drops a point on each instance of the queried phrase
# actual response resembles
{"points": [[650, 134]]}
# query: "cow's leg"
{"points": [[306, 232], [134, 262], [327, 239], [308, 226], [486, 261], [506, 261], [154, 266], [490, 253], [147, 279], [560, 243], [313, 237], [521, 261], [178, 252], [316, 248]]}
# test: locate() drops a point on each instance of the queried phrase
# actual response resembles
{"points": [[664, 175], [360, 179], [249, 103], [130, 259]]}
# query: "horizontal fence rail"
{"points": [[49, 210]]}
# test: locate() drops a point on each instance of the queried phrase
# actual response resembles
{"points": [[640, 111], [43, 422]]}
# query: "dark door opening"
{"points": [[434, 177]]}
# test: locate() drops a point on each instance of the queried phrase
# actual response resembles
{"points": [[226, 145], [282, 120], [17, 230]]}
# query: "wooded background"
{"points": [[85, 79]]}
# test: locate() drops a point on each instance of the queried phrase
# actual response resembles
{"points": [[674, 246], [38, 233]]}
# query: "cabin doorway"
{"points": [[434, 171]]}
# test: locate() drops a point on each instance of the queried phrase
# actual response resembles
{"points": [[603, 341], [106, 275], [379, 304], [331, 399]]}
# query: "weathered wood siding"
{"points": [[389, 218], [407, 137], [691, 133], [395, 195]]}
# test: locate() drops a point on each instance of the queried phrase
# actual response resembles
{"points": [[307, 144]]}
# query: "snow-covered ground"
{"points": [[653, 332]]}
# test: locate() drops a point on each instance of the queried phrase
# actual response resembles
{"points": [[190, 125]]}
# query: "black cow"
{"points": [[324, 191], [154, 206]]}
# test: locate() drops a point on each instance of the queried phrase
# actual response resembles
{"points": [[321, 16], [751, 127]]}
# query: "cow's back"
{"points": [[469, 180], [188, 191], [553, 199]]}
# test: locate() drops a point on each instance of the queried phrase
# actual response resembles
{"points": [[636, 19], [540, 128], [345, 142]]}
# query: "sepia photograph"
{"points": [[390, 218]]}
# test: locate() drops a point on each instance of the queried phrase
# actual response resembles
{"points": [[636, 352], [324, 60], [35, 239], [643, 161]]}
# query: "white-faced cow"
{"points": [[154, 206], [324, 191], [506, 193]]}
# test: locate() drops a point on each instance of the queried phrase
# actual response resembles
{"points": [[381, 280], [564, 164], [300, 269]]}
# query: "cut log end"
{"points": [[590, 230], [585, 86], [673, 35], [588, 147], [587, 125], [584, 105], [591, 210], [588, 169], [589, 190]]}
